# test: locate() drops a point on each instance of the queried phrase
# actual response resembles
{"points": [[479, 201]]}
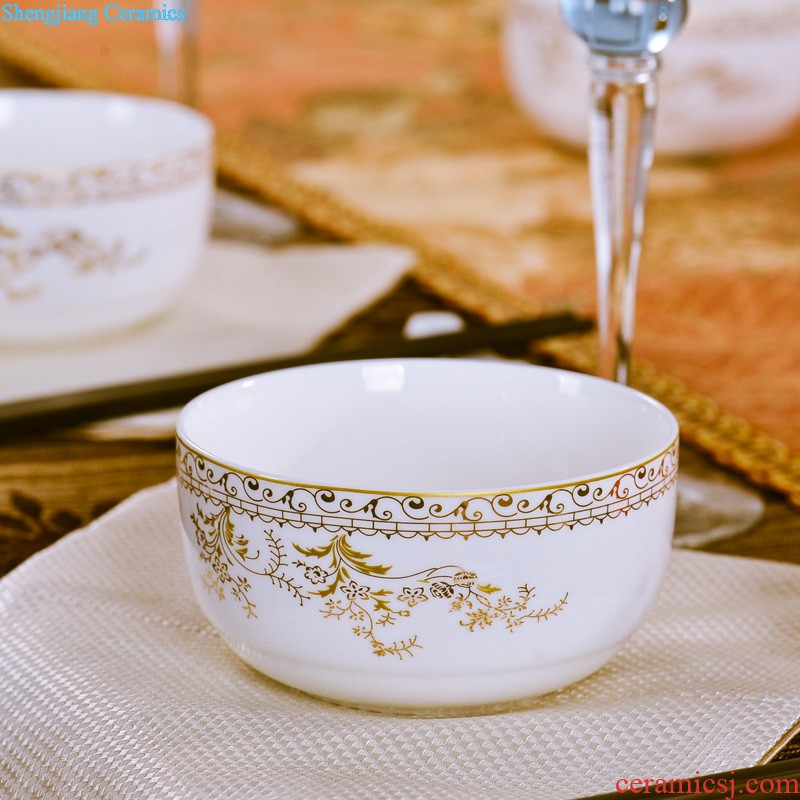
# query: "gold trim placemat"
{"points": [[392, 121]]}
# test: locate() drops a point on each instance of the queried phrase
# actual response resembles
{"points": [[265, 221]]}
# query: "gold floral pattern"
{"points": [[101, 184], [520, 512], [374, 610], [232, 560], [21, 259], [350, 585], [354, 588]]}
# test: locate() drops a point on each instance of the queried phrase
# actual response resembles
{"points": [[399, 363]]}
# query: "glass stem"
{"points": [[176, 43], [620, 155]]}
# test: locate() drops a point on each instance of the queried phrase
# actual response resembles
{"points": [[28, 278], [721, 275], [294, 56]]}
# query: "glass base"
{"points": [[711, 510]]}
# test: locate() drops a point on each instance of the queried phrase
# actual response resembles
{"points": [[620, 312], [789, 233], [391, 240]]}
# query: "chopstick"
{"points": [[776, 779], [41, 413]]}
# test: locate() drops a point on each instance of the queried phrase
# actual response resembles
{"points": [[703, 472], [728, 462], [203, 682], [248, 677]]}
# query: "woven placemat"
{"points": [[113, 684]]}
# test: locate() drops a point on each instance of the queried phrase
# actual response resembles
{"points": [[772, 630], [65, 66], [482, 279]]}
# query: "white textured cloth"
{"points": [[112, 685], [248, 302]]}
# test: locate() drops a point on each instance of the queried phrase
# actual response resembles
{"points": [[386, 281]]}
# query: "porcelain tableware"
{"points": [[104, 210], [426, 534]]}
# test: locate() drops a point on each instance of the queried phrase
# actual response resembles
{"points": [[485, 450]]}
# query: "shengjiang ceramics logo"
{"points": [[110, 12]]}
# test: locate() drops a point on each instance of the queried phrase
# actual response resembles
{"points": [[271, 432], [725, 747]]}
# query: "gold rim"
{"points": [[477, 493]]}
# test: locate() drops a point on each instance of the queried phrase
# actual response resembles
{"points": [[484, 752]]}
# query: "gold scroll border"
{"points": [[727, 439], [118, 181], [559, 505]]}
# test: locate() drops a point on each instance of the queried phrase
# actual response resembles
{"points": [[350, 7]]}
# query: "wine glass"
{"points": [[625, 38], [176, 45]]}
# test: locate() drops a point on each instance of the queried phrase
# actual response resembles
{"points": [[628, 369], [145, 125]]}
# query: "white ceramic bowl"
{"points": [[104, 210], [426, 534], [726, 80]]}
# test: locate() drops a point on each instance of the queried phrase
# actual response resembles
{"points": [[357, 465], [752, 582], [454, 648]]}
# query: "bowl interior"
{"points": [[426, 426], [58, 129]]}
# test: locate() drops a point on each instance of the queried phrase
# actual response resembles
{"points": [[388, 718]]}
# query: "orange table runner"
{"points": [[392, 119]]}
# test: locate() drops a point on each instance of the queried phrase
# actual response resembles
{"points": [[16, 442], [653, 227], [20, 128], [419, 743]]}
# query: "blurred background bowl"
{"points": [[105, 203], [728, 81]]}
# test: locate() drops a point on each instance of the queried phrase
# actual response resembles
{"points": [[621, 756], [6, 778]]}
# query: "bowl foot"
{"points": [[427, 694]]}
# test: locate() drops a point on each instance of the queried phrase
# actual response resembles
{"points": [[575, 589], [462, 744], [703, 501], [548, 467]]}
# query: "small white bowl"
{"points": [[426, 534], [724, 85], [105, 204]]}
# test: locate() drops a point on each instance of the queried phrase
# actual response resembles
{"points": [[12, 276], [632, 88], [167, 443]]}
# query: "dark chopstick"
{"points": [[776, 779], [41, 413]]}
